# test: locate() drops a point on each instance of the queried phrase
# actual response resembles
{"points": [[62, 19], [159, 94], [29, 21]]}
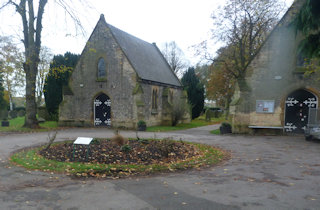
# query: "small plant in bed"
{"points": [[107, 159]]}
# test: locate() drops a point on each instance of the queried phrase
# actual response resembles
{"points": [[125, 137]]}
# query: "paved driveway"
{"points": [[265, 172]]}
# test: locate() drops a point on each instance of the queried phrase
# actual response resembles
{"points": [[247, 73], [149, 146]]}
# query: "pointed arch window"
{"points": [[154, 99], [170, 98], [102, 68]]}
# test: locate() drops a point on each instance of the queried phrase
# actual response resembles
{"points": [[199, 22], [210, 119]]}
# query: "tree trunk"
{"points": [[226, 108], [31, 107], [243, 85]]}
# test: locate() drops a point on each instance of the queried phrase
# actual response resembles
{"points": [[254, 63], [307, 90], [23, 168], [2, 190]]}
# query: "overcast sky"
{"points": [[187, 22]]}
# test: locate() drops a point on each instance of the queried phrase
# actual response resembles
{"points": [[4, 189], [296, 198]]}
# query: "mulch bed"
{"points": [[136, 152]]}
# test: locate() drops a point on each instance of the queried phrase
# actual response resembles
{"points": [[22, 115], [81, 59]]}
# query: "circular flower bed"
{"points": [[105, 159], [135, 152]]}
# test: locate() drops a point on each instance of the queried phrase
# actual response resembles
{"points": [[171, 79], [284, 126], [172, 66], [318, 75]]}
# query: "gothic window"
{"points": [[154, 99], [170, 98], [101, 68]]}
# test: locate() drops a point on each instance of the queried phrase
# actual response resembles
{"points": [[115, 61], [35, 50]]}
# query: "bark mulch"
{"points": [[135, 152]]}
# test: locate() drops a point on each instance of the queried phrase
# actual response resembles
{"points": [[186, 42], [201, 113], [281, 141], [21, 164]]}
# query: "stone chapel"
{"points": [[118, 81], [279, 96]]}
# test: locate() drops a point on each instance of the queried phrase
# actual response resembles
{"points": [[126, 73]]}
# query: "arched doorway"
{"points": [[102, 110], [297, 110]]}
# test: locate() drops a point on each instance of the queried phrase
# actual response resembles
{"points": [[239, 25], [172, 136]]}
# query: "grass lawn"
{"points": [[215, 132], [198, 122], [17, 123]]}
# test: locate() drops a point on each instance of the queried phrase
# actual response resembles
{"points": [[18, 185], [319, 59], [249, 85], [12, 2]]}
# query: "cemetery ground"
{"points": [[264, 172], [16, 125]]}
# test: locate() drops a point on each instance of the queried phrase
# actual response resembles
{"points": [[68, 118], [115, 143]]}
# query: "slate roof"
{"points": [[145, 58]]}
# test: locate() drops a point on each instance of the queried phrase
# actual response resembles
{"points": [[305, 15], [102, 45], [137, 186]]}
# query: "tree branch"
{"points": [[6, 4], [42, 4], [72, 13], [21, 9]]}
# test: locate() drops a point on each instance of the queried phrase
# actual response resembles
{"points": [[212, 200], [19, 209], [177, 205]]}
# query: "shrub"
{"points": [[141, 123], [225, 128], [19, 108], [21, 113], [179, 110], [13, 114], [53, 117], [118, 139], [166, 146], [143, 141], [209, 114], [126, 148]]}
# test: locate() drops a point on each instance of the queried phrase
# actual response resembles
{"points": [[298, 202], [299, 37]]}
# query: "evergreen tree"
{"points": [[195, 91], [308, 22], [58, 77]]}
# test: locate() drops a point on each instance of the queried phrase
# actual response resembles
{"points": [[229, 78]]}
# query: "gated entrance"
{"points": [[102, 110], [297, 110]]}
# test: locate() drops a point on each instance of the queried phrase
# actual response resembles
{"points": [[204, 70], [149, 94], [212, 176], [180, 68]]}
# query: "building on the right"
{"points": [[279, 95]]}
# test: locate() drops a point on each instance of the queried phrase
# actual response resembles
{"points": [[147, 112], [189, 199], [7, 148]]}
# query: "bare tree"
{"points": [[31, 13], [174, 56], [43, 69], [242, 25]]}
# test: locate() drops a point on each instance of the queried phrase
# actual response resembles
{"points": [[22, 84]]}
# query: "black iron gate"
{"points": [[102, 111], [297, 110]]}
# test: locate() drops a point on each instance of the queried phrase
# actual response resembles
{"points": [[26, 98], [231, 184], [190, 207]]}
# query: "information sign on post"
{"points": [[265, 106], [82, 141]]}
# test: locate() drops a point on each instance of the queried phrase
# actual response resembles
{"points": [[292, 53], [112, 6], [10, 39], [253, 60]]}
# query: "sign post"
{"points": [[82, 141]]}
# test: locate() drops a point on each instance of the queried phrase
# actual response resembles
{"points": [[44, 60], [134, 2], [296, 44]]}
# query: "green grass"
{"points": [[198, 122], [215, 132], [16, 125], [30, 159]]}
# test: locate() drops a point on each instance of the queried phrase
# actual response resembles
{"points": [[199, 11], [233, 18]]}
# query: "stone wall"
{"points": [[272, 75], [131, 98], [77, 108]]}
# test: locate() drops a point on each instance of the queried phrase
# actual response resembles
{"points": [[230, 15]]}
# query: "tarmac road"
{"points": [[265, 172]]}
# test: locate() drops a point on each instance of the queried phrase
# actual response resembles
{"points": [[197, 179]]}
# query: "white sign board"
{"points": [[265, 106], [83, 140]]}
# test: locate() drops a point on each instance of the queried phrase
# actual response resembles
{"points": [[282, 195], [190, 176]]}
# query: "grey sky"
{"points": [[187, 22]]}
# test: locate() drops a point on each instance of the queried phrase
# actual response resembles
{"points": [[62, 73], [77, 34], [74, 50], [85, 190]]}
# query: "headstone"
{"points": [[3, 114]]}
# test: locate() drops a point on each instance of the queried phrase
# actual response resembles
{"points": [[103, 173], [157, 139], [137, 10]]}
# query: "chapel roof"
{"points": [[145, 58]]}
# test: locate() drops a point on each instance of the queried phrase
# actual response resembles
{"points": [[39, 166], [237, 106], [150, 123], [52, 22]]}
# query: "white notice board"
{"points": [[265, 106], [83, 140]]}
